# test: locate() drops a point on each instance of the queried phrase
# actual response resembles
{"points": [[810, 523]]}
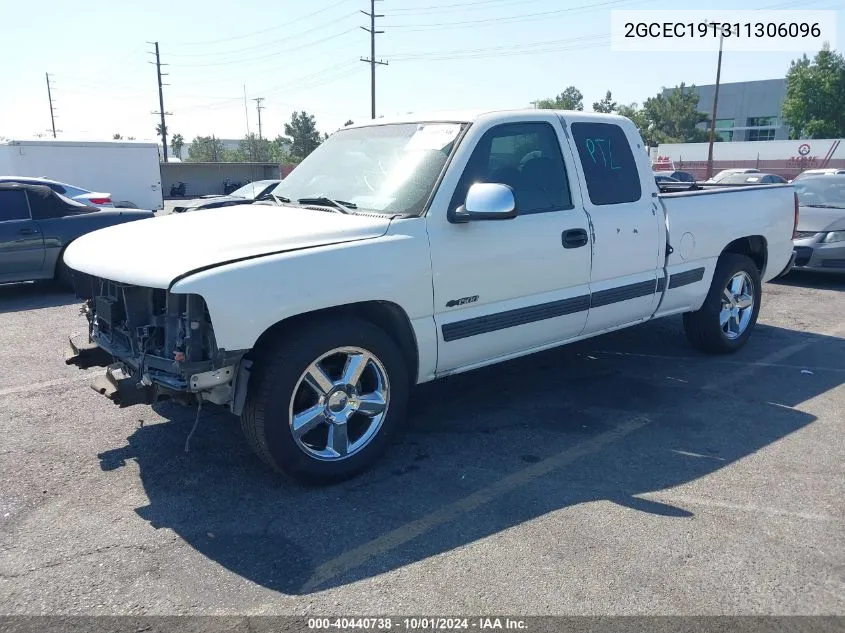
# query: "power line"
{"points": [[372, 60], [265, 45], [525, 17], [448, 8], [267, 30], [266, 56], [50, 99]]}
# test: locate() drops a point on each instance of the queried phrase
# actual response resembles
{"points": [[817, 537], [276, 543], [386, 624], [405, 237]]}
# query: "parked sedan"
{"points": [[91, 198], [249, 193], [820, 239], [752, 179], [36, 224], [682, 176], [829, 171]]}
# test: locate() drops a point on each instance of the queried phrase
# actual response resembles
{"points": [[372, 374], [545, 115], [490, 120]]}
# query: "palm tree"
{"points": [[176, 144], [158, 129]]}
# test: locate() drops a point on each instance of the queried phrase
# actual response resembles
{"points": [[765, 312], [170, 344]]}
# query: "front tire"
{"points": [[325, 400], [724, 322]]}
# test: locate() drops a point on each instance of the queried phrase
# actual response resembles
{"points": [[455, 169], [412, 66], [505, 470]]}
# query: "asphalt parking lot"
{"points": [[623, 475]]}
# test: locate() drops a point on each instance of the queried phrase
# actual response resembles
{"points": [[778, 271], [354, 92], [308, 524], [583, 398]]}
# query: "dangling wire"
{"points": [[194, 428]]}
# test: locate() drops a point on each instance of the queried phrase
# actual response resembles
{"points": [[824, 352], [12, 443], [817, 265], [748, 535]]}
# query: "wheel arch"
{"points": [[387, 315], [753, 246]]}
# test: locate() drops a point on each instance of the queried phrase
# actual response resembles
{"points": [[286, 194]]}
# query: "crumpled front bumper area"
{"points": [[118, 383], [128, 383]]}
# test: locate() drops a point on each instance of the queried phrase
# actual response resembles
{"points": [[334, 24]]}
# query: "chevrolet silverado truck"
{"points": [[404, 250]]}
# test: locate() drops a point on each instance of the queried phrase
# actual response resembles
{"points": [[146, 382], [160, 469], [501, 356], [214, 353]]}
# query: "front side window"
{"points": [[609, 164], [13, 205], [527, 158]]}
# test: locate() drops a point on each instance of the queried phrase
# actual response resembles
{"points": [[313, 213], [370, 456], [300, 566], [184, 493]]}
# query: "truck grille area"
{"points": [[160, 336]]}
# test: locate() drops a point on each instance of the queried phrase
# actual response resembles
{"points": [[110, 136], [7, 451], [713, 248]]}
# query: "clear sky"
{"points": [[443, 54]]}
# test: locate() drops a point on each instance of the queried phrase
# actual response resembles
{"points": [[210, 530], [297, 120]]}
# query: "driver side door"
{"points": [[505, 287]]}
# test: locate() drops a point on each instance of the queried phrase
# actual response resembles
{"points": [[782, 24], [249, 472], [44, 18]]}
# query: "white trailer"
{"points": [[129, 170]]}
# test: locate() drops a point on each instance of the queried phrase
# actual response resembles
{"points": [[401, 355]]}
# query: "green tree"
{"points": [[158, 129], [302, 134], [255, 149], [606, 105], [674, 118], [634, 112], [205, 149], [280, 150], [176, 144], [116, 137], [349, 122], [815, 96], [233, 156], [569, 99]]}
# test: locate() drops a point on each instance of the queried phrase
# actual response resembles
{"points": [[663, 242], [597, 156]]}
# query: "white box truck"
{"points": [[129, 170]]}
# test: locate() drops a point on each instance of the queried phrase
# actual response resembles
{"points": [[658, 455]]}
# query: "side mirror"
{"points": [[486, 201]]}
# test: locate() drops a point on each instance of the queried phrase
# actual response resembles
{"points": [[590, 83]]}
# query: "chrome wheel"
{"points": [[737, 305], [339, 403]]}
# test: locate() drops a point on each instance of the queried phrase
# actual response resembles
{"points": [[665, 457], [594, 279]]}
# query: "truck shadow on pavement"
{"points": [[605, 420], [814, 280]]}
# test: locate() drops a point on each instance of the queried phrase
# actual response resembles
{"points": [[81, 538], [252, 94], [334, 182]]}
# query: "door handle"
{"points": [[574, 238], [28, 231]]}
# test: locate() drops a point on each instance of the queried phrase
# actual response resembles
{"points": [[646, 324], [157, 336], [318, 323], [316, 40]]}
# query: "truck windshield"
{"points": [[385, 168]]}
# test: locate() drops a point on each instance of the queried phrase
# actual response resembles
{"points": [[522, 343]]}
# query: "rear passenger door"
{"points": [[21, 242], [624, 221]]}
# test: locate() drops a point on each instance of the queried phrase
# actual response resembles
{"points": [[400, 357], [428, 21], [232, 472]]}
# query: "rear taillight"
{"points": [[100, 200], [795, 225]]}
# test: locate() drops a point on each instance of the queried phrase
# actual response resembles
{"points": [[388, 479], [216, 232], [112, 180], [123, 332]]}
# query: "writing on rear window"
{"points": [[601, 152], [610, 168]]}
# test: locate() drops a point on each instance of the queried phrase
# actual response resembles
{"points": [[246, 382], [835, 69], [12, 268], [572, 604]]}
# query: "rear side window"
{"points": [[13, 205], [609, 164]]}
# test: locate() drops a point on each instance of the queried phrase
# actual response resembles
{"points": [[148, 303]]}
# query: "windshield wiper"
{"points": [[345, 207], [279, 200], [824, 206]]}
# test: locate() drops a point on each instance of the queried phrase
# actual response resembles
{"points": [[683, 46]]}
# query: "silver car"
{"points": [[820, 238]]}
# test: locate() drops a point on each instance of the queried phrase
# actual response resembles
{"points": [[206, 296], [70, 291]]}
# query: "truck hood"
{"points": [[820, 219], [154, 252]]}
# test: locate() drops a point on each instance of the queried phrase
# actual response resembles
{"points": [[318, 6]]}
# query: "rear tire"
{"points": [[311, 415], [724, 322]]}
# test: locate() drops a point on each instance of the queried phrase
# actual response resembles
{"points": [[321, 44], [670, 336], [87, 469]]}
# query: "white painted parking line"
{"points": [[680, 500], [720, 361], [58, 382]]}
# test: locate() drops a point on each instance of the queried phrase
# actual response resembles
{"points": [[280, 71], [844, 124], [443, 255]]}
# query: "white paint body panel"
{"points": [[184, 242], [257, 266]]}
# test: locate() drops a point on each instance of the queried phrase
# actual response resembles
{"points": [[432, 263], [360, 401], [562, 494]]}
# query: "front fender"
{"points": [[246, 298]]}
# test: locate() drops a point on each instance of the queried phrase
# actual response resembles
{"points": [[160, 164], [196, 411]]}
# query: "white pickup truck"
{"points": [[401, 251]]}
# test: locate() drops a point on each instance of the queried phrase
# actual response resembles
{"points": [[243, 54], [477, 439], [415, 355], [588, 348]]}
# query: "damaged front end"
{"points": [[156, 345]]}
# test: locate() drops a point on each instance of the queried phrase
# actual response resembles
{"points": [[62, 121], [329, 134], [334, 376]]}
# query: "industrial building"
{"points": [[747, 110]]}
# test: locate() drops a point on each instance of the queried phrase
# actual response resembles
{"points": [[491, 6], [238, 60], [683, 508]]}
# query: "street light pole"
{"points": [[715, 105]]}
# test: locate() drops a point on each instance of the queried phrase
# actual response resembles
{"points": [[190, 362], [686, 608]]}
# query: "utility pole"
{"points": [[161, 111], [715, 105], [246, 112], [372, 60], [50, 99], [259, 107]]}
